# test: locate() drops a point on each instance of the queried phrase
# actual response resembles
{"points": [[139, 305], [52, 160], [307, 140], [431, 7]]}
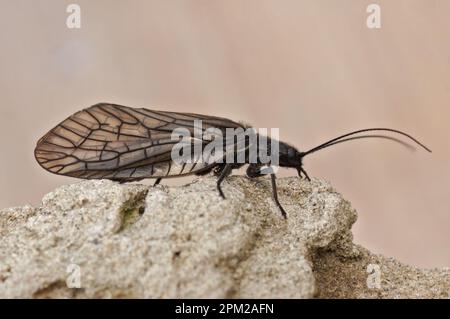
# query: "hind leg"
{"points": [[205, 171], [225, 170]]}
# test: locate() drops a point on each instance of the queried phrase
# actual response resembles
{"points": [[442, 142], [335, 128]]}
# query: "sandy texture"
{"points": [[103, 239]]}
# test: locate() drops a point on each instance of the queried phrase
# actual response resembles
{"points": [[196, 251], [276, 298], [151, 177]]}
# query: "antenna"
{"points": [[346, 138]]}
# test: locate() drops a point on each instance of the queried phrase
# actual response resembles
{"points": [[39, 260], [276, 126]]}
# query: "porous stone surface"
{"points": [[107, 240]]}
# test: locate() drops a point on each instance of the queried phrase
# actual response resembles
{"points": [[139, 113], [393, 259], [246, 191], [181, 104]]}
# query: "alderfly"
{"points": [[109, 141]]}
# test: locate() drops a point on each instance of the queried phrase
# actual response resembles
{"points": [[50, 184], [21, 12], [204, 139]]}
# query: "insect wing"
{"points": [[122, 143]]}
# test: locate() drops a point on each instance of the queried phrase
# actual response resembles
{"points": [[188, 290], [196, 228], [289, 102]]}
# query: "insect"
{"points": [[110, 141]]}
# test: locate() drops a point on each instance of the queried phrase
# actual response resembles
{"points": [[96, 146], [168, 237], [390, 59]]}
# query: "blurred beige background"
{"points": [[310, 67]]}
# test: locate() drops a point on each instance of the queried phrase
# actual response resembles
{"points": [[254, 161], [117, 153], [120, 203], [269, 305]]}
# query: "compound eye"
{"points": [[291, 152]]}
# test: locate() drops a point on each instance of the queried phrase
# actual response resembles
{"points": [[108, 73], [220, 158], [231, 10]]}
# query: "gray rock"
{"points": [[103, 239]]}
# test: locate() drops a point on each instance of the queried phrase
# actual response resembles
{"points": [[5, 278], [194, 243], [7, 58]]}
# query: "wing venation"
{"points": [[121, 143]]}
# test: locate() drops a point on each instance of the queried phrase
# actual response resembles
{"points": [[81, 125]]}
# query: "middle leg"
{"points": [[254, 170], [275, 195]]}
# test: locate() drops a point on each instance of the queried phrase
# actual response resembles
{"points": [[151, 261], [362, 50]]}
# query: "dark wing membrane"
{"points": [[121, 143]]}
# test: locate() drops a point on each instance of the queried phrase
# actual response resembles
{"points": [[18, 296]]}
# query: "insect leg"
{"points": [[223, 174], [301, 171], [158, 180], [204, 172], [219, 169], [306, 174], [275, 195], [254, 170]]}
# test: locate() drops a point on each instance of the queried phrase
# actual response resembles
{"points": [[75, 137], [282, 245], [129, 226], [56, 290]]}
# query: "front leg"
{"points": [[302, 172]]}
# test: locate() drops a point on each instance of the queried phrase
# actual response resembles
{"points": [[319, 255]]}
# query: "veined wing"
{"points": [[121, 143]]}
